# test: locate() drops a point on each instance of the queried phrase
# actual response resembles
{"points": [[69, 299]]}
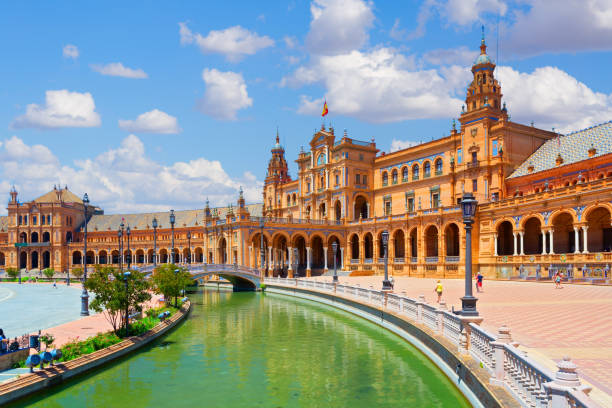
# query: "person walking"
{"points": [[54, 284], [479, 279], [558, 280], [438, 290]]}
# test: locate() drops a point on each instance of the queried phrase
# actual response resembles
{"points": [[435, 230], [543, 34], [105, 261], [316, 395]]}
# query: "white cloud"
{"points": [[154, 121], [234, 42], [70, 51], [123, 178], [226, 93], [571, 25], [552, 98], [461, 56], [62, 109], [377, 86], [401, 144], [118, 69], [338, 26], [398, 33], [290, 42]]}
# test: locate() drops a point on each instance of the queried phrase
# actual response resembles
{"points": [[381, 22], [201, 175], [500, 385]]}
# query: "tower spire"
{"points": [[277, 138], [483, 46]]}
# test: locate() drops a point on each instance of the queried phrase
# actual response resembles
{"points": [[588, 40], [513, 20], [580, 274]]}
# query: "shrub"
{"points": [[49, 272], [12, 272]]}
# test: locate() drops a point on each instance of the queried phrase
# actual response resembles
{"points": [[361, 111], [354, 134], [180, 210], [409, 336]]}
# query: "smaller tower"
{"points": [[13, 195]]}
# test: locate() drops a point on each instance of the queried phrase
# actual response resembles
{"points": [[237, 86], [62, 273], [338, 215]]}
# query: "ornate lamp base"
{"points": [[468, 306]]}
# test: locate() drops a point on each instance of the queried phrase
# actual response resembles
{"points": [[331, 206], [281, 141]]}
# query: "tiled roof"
{"points": [[573, 147], [67, 196], [184, 218]]}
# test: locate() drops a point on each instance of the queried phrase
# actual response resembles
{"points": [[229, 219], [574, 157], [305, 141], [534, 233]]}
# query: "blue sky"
{"points": [[200, 87]]}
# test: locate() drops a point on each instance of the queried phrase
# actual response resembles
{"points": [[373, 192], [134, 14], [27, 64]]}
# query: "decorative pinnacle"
{"points": [[277, 139]]}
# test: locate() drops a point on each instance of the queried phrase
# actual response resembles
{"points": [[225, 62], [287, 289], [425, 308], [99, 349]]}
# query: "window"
{"points": [[20, 220], [321, 159], [494, 148], [459, 156], [360, 157], [337, 179], [415, 172], [388, 207], [385, 178], [427, 169], [364, 179], [34, 219], [288, 200], [474, 157], [357, 179], [308, 187], [394, 177], [495, 197], [435, 200], [438, 167], [322, 182], [25, 220], [405, 174], [475, 185], [410, 205]]}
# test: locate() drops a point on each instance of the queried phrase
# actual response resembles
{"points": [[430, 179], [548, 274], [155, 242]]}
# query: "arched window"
{"points": [[288, 200], [385, 178], [394, 176], [405, 174], [427, 169], [438, 167], [415, 172]]}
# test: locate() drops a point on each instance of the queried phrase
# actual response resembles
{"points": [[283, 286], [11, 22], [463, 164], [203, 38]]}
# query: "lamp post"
{"points": [[154, 242], [468, 208], [85, 295], [297, 262], [335, 249], [172, 219], [119, 236], [261, 247], [176, 271], [126, 276], [129, 260], [385, 242], [189, 245]]}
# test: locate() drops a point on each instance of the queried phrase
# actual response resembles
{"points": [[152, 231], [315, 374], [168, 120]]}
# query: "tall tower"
{"points": [[484, 93], [278, 173], [13, 195]]}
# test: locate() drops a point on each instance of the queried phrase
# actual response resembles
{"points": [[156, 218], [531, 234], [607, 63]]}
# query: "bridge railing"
{"points": [[529, 383]]}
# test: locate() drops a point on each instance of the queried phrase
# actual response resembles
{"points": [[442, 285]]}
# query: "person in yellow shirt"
{"points": [[438, 290]]}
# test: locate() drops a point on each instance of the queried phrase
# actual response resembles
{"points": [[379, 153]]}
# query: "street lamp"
{"points": [[176, 271], [468, 208], [385, 242], [189, 245], [85, 295], [154, 242], [261, 247], [120, 244], [335, 249], [126, 276], [129, 260], [172, 219]]}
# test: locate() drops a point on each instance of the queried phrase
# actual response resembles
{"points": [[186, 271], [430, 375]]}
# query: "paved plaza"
{"points": [[549, 323]]}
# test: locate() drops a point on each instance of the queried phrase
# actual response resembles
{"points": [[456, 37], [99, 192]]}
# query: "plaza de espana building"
{"points": [[544, 204]]}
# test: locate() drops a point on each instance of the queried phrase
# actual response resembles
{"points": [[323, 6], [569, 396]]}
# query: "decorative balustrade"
{"points": [[530, 384]]}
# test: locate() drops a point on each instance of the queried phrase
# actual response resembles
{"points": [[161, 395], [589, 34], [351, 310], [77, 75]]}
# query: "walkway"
{"points": [[549, 323]]}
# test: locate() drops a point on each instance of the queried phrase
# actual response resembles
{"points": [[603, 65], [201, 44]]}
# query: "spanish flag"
{"points": [[325, 110]]}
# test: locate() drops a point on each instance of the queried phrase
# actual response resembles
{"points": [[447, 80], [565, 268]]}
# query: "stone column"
{"points": [[325, 258], [495, 243], [290, 259], [544, 243], [341, 258], [586, 239], [515, 253], [503, 338], [566, 380], [576, 241], [308, 270], [552, 243], [522, 234], [270, 266]]}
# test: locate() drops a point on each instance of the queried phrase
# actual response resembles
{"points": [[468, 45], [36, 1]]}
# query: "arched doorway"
{"points": [[532, 239], [140, 256], [115, 257], [199, 255], [23, 260], [127, 257], [361, 207], [23, 237], [368, 246], [150, 256], [187, 255], [599, 231], [399, 244], [222, 251], [322, 210], [505, 239], [46, 259], [46, 237], [279, 255], [414, 242], [354, 246], [431, 242], [330, 253], [563, 233], [300, 260], [337, 211], [102, 257], [381, 247], [163, 256], [257, 251], [69, 236], [90, 258], [76, 258], [451, 236], [34, 260], [318, 261], [2, 259], [34, 237]]}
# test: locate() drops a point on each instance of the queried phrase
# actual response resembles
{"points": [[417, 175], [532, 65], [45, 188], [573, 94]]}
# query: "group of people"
{"points": [[478, 277]]}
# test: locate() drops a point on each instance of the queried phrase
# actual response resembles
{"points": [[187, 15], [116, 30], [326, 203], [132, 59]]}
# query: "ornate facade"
{"points": [[544, 204]]}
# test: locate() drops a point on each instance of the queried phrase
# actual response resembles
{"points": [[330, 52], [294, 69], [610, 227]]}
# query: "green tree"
{"points": [[77, 272], [49, 272], [12, 272], [108, 285], [170, 280]]}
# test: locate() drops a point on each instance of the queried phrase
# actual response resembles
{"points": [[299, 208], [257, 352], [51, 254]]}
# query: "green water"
{"points": [[253, 350]]}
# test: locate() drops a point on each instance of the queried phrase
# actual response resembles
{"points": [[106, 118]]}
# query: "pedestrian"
{"points": [[55, 284], [479, 279], [438, 290], [392, 282], [558, 280], [2, 336]]}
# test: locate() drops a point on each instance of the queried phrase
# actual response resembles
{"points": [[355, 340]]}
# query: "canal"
{"points": [[252, 350]]}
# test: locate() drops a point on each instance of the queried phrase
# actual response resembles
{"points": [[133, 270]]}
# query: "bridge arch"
{"points": [[242, 278]]}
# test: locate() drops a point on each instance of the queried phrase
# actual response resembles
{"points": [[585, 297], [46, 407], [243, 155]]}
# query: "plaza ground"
{"points": [[549, 323]]}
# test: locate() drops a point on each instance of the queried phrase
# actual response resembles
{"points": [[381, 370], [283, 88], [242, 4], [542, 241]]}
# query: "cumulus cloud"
{"points": [[234, 42], [122, 179], [552, 98], [226, 93], [70, 51], [118, 69], [463, 56], [62, 109], [338, 26], [571, 25], [377, 86], [154, 121], [401, 144]]}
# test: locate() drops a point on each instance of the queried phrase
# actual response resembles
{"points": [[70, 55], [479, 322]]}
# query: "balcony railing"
{"points": [[368, 260], [473, 164], [431, 259], [451, 259], [438, 172], [414, 259], [398, 260]]}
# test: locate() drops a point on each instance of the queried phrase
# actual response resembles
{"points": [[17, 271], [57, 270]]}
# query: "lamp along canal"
{"points": [[250, 349]]}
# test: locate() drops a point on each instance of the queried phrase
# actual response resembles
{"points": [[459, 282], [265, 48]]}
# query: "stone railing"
{"points": [[529, 383]]}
